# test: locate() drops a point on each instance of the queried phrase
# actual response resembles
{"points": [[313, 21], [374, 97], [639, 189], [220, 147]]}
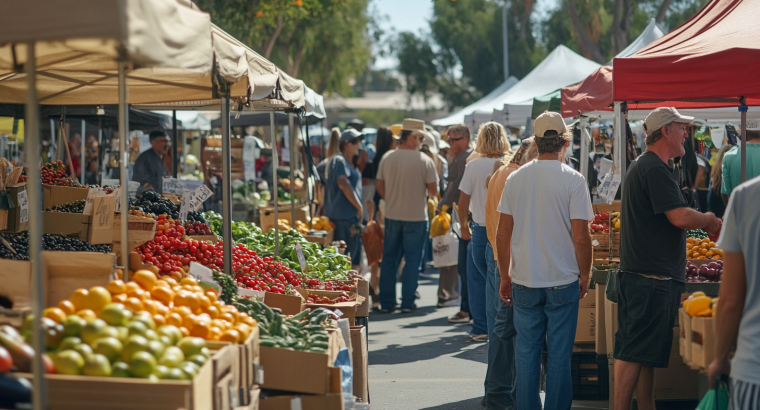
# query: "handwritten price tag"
{"points": [[609, 187], [117, 193], [173, 186], [91, 195], [200, 272], [197, 197], [301, 258], [249, 158], [23, 202]]}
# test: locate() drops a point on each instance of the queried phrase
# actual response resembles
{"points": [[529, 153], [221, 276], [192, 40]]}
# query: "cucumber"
{"points": [[301, 315], [318, 318], [319, 345], [267, 343]]}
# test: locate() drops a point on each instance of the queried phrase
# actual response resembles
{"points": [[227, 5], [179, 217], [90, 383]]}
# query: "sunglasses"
{"points": [[456, 139]]}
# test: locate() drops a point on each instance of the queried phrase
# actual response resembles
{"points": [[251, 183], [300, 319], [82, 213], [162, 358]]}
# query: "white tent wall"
{"points": [[652, 32], [459, 116]]}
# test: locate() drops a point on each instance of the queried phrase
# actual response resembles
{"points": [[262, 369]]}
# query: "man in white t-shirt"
{"points": [[544, 254], [405, 178]]}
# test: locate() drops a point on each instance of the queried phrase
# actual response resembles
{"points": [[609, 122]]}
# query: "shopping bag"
{"points": [[613, 285], [455, 221], [441, 223], [372, 238], [445, 250], [715, 399]]}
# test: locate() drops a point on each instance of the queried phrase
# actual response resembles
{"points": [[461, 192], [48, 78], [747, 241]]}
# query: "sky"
{"points": [[413, 15]]}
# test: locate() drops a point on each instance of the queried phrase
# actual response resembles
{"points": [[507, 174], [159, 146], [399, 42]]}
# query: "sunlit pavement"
{"points": [[419, 361]]}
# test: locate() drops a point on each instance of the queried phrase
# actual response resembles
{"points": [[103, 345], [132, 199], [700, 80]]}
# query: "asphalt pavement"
{"points": [[419, 361]]}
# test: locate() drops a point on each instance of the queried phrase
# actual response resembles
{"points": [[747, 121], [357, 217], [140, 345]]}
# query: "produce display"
{"points": [[605, 222], [76, 207], [710, 272], [318, 224], [702, 248], [16, 353], [54, 173], [152, 204], [19, 243], [699, 305], [305, 331], [324, 300]]}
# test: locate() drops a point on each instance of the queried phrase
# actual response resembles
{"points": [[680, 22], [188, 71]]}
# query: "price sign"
{"points": [[23, 202], [184, 206], [249, 158], [301, 259], [91, 195], [200, 272], [197, 197], [254, 294], [609, 187], [117, 193], [173, 186]]}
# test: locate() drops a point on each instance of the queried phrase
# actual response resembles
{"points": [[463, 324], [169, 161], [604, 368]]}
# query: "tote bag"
{"points": [[446, 249]]}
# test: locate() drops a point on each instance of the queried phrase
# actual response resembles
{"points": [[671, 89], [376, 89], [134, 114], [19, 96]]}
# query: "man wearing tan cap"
{"points": [[544, 253], [405, 178], [654, 219]]}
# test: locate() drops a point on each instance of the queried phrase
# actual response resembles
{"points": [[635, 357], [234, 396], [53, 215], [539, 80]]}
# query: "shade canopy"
{"points": [[710, 58], [546, 102], [480, 105]]}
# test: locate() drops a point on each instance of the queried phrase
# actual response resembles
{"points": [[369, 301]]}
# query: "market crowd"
{"points": [[523, 256]]}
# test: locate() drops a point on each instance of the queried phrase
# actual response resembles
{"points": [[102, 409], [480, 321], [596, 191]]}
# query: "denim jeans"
{"points": [[500, 376], [402, 239], [476, 279], [545, 314], [353, 243], [462, 269]]}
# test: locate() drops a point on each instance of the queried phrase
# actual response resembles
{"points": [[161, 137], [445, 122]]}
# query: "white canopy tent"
{"points": [[459, 116], [652, 32]]}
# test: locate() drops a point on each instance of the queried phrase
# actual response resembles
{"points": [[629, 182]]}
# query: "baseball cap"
{"points": [[549, 121], [351, 134], [664, 116], [429, 141]]}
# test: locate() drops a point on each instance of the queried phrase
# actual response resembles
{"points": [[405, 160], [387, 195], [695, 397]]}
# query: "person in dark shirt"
{"points": [[655, 218], [149, 168]]}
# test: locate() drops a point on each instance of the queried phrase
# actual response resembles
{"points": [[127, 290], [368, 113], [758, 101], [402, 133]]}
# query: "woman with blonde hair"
{"points": [[492, 145], [714, 202]]}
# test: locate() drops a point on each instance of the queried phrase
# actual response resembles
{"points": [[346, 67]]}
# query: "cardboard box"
{"points": [[601, 325], [266, 215], [601, 207], [703, 341], [610, 323], [325, 402], [140, 230], [94, 229], [64, 272], [361, 362], [347, 308], [248, 356], [325, 240], [589, 301], [290, 305], [585, 330], [10, 219], [684, 335], [295, 371], [362, 288], [205, 238], [57, 195]]}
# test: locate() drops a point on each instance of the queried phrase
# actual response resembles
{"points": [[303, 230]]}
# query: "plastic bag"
{"points": [[445, 250], [715, 399], [441, 223], [432, 204], [372, 238]]}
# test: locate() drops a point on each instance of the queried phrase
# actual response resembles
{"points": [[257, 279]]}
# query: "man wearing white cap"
{"points": [[544, 254], [655, 218]]}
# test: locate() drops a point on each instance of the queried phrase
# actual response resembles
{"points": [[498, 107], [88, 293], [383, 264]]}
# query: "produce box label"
{"points": [[609, 188], [23, 202], [91, 195], [173, 186]]}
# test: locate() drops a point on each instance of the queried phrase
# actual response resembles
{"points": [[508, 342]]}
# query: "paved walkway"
{"points": [[419, 361]]}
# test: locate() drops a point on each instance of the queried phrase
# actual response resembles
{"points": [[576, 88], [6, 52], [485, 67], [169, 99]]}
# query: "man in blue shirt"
{"points": [[343, 192], [732, 164], [149, 168]]}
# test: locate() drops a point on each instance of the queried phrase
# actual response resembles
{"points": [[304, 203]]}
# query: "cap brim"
{"points": [[684, 119]]}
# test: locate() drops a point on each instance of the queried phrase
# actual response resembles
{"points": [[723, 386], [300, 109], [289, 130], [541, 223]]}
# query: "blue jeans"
{"points": [[462, 269], [353, 243], [401, 239], [545, 314], [476, 279], [500, 376]]}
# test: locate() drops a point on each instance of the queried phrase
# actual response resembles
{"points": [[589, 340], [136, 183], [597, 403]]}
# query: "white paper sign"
{"points": [[605, 165], [173, 186], [197, 197], [200, 272], [253, 294], [249, 158], [301, 259], [92, 194], [23, 202], [717, 134], [184, 207], [117, 194], [295, 403], [609, 187]]}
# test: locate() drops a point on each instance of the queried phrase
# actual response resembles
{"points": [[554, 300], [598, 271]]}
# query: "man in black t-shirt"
{"points": [[654, 218]]}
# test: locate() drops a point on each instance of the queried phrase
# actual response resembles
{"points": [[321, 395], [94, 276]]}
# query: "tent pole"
{"points": [[82, 162], [583, 160], [32, 126], [743, 110], [226, 186], [124, 160], [293, 156], [175, 160], [275, 160]]}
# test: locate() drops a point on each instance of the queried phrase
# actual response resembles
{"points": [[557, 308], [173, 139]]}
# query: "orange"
{"points": [[197, 289], [188, 281], [174, 319], [78, 298], [230, 335], [182, 311], [188, 299], [689, 240], [716, 257], [97, 298], [205, 303], [185, 331], [709, 254], [227, 317], [712, 244], [119, 273], [244, 331], [131, 286], [221, 324], [212, 296], [150, 306], [204, 316], [189, 321], [242, 316], [154, 269], [164, 284], [251, 322], [163, 310], [67, 307], [145, 278], [214, 333], [134, 304], [169, 280], [54, 313], [87, 314], [177, 275], [120, 298], [177, 288], [162, 294], [212, 311], [159, 320], [116, 287], [200, 329], [139, 294]]}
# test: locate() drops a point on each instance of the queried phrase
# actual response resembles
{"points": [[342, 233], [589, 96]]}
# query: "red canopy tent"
{"points": [[710, 58]]}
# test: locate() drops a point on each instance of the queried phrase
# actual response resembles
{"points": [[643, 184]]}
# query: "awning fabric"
{"points": [[711, 57], [292, 89], [315, 104], [547, 102]]}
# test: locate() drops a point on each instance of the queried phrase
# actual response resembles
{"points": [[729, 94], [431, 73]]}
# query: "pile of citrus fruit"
{"points": [[700, 305], [702, 248], [148, 327]]}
